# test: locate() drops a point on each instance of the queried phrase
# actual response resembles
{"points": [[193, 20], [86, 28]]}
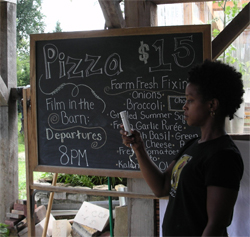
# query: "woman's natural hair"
{"points": [[217, 80]]}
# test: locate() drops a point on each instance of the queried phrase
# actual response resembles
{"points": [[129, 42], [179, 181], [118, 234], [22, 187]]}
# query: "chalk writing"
{"points": [[83, 84], [142, 51], [93, 216], [51, 55], [72, 156]]}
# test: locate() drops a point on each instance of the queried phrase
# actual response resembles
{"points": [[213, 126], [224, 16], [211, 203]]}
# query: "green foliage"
{"points": [[215, 32], [22, 178], [85, 180], [75, 180], [21, 164], [23, 70], [4, 231], [58, 27], [21, 146], [29, 21], [229, 56]]}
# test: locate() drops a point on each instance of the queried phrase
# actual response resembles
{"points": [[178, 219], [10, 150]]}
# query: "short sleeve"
{"points": [[187, 144], [224, 169]]}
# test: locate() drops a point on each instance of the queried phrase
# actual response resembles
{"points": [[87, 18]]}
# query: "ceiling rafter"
{"points": [[112, 13], [143, 13], [231, 32]]}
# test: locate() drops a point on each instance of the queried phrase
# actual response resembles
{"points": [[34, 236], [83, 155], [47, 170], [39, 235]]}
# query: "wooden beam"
{"points": [[145, 194], [8, 112], [4, 93], [231, 32], [28, 166], [188, 14], [140, 13], [112, 13]]}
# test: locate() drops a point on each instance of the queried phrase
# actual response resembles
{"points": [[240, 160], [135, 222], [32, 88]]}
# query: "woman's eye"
{"points": [[189, 101]]}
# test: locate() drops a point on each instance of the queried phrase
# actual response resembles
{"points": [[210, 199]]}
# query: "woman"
{"points": [[203, 180]]}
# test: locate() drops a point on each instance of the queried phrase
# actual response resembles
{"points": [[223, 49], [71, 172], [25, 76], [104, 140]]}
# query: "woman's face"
{"points": [[196, 111]]}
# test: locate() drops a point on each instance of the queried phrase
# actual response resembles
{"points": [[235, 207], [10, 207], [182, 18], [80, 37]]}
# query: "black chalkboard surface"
{"points": [[81, 85]]}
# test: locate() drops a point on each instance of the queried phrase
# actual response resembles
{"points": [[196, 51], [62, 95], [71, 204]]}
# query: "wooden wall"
{"points": [[8, 109]]}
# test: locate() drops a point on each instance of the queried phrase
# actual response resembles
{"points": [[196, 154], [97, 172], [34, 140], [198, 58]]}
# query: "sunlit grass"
{"points": [[21, 165], [21, 146], [22, 178]]}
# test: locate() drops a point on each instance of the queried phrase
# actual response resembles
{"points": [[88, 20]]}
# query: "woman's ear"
{"points": [[214, 104]]}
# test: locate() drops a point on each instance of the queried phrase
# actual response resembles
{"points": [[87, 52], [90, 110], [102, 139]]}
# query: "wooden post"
{"points": [[112, 14], [28, 164], [8, 109], [188, 13], [140, 13], [141, 217], [140, 211], [51, 197]]}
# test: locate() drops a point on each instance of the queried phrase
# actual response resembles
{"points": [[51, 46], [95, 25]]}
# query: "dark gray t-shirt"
{"points": [[213, 163]]}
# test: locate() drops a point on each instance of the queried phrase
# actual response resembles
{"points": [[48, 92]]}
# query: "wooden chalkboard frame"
{"points": [[32, 133]]}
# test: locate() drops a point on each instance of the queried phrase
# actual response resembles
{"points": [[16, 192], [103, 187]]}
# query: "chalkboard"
{"points": [[83, 80]]}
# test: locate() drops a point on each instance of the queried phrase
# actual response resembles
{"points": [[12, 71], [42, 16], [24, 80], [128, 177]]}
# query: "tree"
{"points": [[58, 27], [29, 21], [229, 55]]}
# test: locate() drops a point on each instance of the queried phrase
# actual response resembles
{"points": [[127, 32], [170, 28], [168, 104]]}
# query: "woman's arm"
{"points": [[158, 181], [220, 204]]}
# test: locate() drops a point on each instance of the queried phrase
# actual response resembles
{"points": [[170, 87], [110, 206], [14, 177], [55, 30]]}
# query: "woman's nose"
{"points": [[185, 106]]}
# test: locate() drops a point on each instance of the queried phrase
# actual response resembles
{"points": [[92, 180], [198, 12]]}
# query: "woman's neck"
{"points": [[212, 131]]}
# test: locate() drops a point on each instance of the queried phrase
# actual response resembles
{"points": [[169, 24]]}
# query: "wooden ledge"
{"points": [[240, 137], [94, 191]]}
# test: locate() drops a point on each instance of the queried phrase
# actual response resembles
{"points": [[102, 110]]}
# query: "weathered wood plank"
{"points": [[8, 110], [240, 137], [231, 32], [4, 93], [140, 13], [87, 171], [32, 156], [144, 193], [188, 14], [51, 197], [112, 13], [29, 171]]}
